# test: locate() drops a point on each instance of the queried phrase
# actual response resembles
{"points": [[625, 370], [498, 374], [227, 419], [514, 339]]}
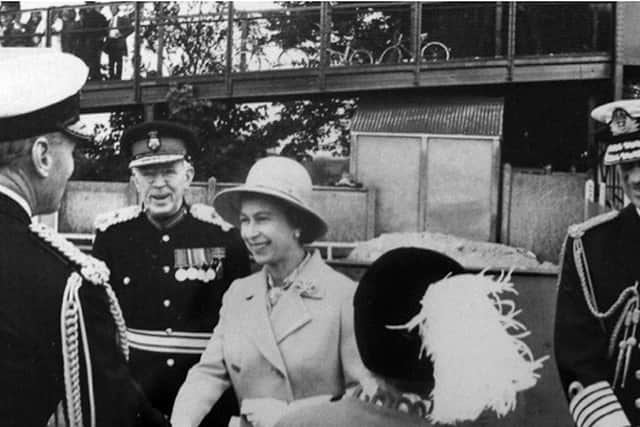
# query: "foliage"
{"points": [[102, 160], [233, 136]]}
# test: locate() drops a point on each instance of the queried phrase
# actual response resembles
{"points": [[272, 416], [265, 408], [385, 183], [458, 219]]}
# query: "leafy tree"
{"points": [[233, 135], [102, 160]]}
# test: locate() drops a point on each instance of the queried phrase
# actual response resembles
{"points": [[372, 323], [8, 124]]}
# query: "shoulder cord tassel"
{"points": [[116, 313], [629, 316], [71, 318]]}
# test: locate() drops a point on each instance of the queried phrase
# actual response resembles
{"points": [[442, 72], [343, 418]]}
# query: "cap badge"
{"points": [[622, 122], [154, 142]]}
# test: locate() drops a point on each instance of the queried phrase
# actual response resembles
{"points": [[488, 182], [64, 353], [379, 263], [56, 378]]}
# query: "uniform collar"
{"points": [[165, 225], [21, 201]]}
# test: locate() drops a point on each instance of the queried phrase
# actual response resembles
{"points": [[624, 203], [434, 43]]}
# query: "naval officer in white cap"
{"points": [[598, 312], [62, 336]]}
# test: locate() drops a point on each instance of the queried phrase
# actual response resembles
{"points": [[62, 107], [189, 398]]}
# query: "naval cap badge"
{"points": [[154, 142]]}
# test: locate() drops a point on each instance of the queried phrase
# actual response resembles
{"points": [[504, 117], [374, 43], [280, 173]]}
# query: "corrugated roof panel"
{"points": [[462, 116]]}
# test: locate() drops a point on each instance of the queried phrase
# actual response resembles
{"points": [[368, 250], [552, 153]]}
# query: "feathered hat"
{"points": [[418, 317]]}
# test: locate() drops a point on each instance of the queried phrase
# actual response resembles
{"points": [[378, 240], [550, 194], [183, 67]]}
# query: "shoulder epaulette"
{"points": [[578, 230], [91, 269], [108, 219], [207, 214]]}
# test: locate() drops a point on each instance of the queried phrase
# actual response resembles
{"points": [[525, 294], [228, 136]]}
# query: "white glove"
{"points": [[263, 412]]}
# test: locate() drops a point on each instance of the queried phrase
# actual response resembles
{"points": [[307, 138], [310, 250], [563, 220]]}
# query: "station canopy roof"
{"points": [[429, 115]]}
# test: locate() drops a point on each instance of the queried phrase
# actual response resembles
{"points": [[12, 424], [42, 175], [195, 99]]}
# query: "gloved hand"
{"points": [[263, 412]]}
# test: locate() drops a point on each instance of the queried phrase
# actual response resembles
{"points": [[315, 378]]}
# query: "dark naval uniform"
{"points": [[170, 284], [596, 329], [43, 276]]}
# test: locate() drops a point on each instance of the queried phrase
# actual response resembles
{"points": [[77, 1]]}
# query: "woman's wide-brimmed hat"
{"points": [[280, 178]]}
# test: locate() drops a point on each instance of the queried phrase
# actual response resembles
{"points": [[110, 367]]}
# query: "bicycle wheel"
{"points": [[293, 58], [360, 57], [391, 55], [435, 51]]}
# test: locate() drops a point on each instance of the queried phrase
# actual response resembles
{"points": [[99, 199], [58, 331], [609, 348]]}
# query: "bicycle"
{"points": [[297, 57], [429, 52], [251, 60]]}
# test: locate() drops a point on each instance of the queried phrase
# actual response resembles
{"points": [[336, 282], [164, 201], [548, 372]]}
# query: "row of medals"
{"points": [[194, 273], [198, 263]]}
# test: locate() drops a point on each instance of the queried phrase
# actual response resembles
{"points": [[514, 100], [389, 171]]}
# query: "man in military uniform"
{"points": [[62, 337], [170, 264], [597, 313]]}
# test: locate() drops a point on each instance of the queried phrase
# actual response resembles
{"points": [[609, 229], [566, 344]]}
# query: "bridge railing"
{"points": [[175, 39]]}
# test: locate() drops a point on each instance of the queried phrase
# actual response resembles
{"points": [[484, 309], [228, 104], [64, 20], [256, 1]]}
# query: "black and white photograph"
{"points": [[319, 214]]}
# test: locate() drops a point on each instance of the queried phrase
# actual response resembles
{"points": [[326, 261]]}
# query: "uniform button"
{"points": [[170, 362], [167, 303], [166, 269], [126, 280], [165, 238], [169, 331]]}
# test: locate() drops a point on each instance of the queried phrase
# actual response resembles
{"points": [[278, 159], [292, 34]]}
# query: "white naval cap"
{"points": [[40, 93], [623, 136]]}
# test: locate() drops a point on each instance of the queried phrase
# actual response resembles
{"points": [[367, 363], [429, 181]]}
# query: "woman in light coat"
{"points": [[285, 335]]}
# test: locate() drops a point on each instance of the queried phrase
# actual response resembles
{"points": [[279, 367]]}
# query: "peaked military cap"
{"points": [[157, 142], [623, 133], [40, 93]]}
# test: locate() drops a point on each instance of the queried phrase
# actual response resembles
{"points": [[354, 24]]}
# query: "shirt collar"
{"points": [[291, 277], [16, 198]]}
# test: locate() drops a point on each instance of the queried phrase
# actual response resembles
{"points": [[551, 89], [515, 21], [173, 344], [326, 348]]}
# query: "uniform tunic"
{"points": [[169, 316], [607, 250], [33, 277]]}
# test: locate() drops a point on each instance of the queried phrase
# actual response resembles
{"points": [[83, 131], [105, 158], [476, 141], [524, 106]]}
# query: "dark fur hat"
{"points": [[389, 293]]}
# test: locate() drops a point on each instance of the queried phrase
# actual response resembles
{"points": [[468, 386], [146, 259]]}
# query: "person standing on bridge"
{"points": [[597, 313], [62, 336], [170, 263]]}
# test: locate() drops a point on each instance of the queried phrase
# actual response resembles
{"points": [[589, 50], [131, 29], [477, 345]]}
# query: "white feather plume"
{"points": [[475, 343]]}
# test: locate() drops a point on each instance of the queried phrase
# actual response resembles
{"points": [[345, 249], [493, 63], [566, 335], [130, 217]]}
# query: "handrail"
{"points": [[326, 13]]}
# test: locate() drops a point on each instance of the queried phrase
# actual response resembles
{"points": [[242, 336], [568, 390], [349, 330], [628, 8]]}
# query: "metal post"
{"points": [[244, 34], [618, 53], [416, 28], [325, 36], [229, 51], [136, 55], [498, 34], [161, 26], [511, 39], [47, 30]]}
